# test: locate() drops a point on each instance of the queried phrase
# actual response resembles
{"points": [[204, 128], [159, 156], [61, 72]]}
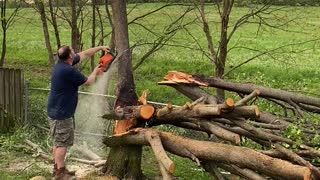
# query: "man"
{"points": [[62, 102]]}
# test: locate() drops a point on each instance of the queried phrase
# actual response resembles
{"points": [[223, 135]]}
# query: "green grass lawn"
{"points": [[293, 68]]}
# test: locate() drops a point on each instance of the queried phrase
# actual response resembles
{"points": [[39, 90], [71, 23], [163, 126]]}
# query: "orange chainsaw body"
{"points": [[105, 61]]}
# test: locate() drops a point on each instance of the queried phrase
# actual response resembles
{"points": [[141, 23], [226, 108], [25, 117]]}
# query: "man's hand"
{"points": [[92, 77], [105, 49], [97, 70]]}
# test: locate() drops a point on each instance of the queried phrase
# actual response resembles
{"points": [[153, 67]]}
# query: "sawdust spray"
{"points": [[90, 109]]}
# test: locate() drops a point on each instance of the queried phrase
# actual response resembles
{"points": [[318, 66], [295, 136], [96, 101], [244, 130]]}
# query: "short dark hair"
{"points": [[65, 52]]}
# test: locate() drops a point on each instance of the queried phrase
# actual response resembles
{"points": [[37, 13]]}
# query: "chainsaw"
{"points": [[106, 60]]}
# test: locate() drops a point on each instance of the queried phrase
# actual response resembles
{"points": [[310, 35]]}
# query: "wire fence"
{"points": [[88, 117]]}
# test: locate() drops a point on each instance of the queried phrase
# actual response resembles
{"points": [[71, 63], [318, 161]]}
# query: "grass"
{"points": [[293, 68]]}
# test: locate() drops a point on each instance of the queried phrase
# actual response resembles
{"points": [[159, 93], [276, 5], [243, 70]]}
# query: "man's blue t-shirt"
{"points": [[63, 96]]}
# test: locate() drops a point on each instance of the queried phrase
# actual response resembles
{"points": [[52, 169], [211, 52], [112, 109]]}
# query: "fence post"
{"points": [[26, 100]]}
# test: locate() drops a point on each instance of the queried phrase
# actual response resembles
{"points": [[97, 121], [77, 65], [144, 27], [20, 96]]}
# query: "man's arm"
{"points": [[92, 77], [92, 51]]}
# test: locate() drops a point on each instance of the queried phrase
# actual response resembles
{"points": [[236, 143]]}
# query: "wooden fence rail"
{"points": [[11, 98]]}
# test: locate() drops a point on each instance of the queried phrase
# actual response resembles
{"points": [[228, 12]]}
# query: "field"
{"points": [[295, 67]]}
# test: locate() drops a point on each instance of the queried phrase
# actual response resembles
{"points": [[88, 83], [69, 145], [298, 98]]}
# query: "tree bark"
{"points": [[40, 7], [4, 31], [125, 161], [93, 36], [75, 35], [54, 22]]}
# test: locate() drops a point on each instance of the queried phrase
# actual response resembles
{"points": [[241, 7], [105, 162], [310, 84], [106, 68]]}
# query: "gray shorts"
{"points": [[62, 132]]}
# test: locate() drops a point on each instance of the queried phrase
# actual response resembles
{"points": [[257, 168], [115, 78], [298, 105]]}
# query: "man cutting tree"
{"points": [[62, 102]]}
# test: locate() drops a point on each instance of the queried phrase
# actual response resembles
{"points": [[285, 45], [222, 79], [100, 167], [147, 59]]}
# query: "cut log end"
{"points": [[257, 92], [187, 105], [237, 140], [229, 103], [257, 111], [146, 112], [172, 168], [307, 174]]}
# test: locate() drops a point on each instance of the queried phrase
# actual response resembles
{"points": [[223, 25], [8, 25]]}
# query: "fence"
{"points": [[86, 124], [11, 98]]}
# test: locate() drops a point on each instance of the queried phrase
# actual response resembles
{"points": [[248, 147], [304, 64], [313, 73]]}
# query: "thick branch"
{"points": [[163, 159], [241, 156], [246, 99]]}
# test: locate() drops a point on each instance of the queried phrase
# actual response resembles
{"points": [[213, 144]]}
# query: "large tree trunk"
{"points": [[124, 161], [40, 7]]}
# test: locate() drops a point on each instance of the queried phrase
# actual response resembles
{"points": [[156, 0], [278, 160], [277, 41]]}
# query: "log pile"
{"points": [[229, 122]]}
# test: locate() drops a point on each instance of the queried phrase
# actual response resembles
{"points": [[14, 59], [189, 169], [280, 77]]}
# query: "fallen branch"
{"points": [[241, 156], [163, 159], [296, 158]]}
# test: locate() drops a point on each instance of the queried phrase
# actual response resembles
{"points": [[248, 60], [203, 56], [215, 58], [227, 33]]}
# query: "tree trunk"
{"points": [[54, 22], [40, 7], [223, 47], [4, 30], [4, 47], [124, 161], [75, 35], [93, 36]]}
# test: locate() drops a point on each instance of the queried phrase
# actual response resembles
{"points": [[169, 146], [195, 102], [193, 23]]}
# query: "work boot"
{"points": [[64, 174], [55, 167]]}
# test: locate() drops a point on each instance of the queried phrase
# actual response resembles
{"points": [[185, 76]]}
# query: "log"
{"points": [[163, 159], [251, 112], [244, 157], [296, 158], [247, 88], [144, 112], [165, 174], [227, 106], [196, 111]]}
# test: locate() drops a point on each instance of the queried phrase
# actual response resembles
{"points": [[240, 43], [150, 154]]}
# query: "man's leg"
{"points": [[63, 135], [59, 156]]}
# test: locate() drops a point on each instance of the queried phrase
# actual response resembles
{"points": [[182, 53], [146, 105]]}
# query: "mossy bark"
{"points": [[124, 162]]}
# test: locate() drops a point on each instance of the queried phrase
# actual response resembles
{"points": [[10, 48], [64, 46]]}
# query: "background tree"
{"points": [[7, 19], [40, 7], [53, 8]]}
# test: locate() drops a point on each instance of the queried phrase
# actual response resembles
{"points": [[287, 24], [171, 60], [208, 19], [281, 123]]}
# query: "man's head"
{"points": [[65, 53]]}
